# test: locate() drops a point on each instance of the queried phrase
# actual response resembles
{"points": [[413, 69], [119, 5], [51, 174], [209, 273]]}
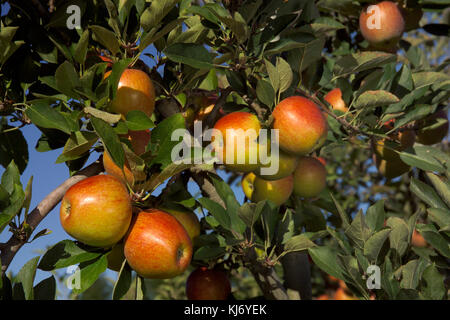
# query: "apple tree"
{"points": [[378, 227]]}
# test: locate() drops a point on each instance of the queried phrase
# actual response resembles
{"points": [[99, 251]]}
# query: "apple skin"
{"points": [[417, 240], [301, 124], [96, 211], [116, 257], [257, 189], [334, 97], [309, 177], [189, 221], [340, 294], [157, 246], [433, 135], [392, 26], [135, 91], [230, 124], [286, 166], [139, 140], [208, 284]]}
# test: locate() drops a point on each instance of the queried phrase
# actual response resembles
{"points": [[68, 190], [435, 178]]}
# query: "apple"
{"points": [[135, 91], [188, 219], [341, 294], [157, 246], [323, 297], [138, 140], [257, 189], [116, 257], [309, 177], [285, 162], [434, 128], [417, 240], [322, 160], [208, 284], [334, 98], [96, 211], [232, 128], [382, 25], [301, 125]]}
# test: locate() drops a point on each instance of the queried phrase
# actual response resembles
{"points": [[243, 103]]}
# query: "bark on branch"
{"points": [[10, 248]]}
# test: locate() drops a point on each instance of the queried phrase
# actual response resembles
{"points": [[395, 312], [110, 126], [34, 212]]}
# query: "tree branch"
{"points": [[10, 248]]}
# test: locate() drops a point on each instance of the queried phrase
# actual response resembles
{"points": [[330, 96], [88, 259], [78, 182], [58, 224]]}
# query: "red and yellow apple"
{"points": [[382, 25], [309, 177], [96, 211], [188, 219], [334, 98], [257, 189], [238, 147], [208, 284], [157, 246], [135, 91], [417, 240], [138, 140], [301, 125], [285, 162]]}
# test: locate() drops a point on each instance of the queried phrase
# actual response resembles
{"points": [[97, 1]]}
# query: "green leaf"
{"points": [[116, 72], [162, 139], [90, 271], [341, 240], [153, 15], [426, 194], [209, 253], [110, 118], [325, 258], [377, 98], [81, 48], [16, 203], [374, 244], [440, 216], [27, 195], [217, 211], [273, 75], [434, 284], [358, 62], [106, 38], [248, 214], [399, 236], [11, 177], [13, 146], [110, 140], [137, 120], [123, 283], [358, 230], [375, 216], [64, 254], [265, 92], [46, 289], [434, 238], [298, 243], [285, 74], [194, 55], [342, 214], [442, 187], [78, 144], [67, 80], [412, 272], [425, 158], [25, 277], [153, 35], [42, 115]]}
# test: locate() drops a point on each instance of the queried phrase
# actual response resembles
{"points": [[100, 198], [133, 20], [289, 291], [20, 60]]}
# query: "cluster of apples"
{"points": [[302, 128]]}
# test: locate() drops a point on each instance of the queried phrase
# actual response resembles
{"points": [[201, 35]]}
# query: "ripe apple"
{"points": [[301, 124], [157, 246], [208, 284], [188, 219], [286, 165], [232, 128], [382, 25], [417, 240], [309, 177], [334, 97], [433, 128], [138, 140], [257, 189], [96, 211], [322, 160], [135, 91], [116, 257], [323, 297]]}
